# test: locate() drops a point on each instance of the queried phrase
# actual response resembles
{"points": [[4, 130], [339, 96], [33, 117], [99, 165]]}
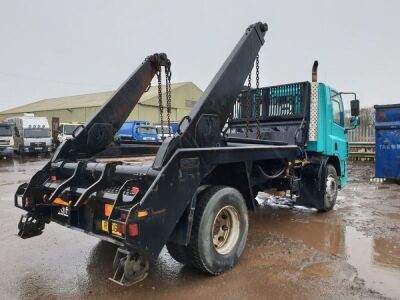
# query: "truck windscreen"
{"points": [[36, 132], [147, 130], [5, 131], [69, 129], [165, 129]]}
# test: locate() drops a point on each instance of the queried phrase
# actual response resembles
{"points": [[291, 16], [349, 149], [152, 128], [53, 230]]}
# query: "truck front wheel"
{"points": [[331, 189], [219, 230]]}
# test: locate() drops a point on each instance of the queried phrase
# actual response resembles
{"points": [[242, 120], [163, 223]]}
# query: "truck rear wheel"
{"points": [[219, 230]]}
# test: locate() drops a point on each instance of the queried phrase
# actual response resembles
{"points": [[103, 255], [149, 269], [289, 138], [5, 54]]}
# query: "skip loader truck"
{"points": [[192, 191]]}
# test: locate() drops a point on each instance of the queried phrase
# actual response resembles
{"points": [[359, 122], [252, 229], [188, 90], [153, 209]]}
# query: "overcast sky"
{"points": [[59, 48]]}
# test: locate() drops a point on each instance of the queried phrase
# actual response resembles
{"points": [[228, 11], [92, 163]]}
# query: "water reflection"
{"points": [[377, 260], [387, 253]]}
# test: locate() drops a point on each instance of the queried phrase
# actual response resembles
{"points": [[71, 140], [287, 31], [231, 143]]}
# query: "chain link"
{"points": [[168, 76], [258, 96], [160, 104]]}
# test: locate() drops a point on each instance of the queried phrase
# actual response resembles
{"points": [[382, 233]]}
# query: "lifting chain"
{"points": [[258, 96], [248, 105], [257, 101], [168, 75], [160, 104]]}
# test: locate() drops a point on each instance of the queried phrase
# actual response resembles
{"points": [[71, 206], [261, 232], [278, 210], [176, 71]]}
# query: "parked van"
{"points": [[32, 134], [6, 140], [65, 131], [141, 131]]}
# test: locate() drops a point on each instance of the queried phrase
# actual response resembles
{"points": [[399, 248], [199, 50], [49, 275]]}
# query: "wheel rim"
{"points": [[331, 188], [225, 229]]}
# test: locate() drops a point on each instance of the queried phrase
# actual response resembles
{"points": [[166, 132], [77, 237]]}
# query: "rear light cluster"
{"points": [[133, 229], [119, 228], [108, 209]]}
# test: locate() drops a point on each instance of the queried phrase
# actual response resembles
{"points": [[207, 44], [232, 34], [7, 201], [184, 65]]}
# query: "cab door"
{"points": [[338, 135]]}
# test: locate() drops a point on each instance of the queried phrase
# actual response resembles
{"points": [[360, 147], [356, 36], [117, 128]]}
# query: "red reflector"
{"points": [[121, 228], [133, 229], [135, 190], [53, 178]]}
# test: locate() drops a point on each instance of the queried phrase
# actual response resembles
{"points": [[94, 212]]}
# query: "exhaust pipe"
{"points": [[313, 126], [314, 71]]}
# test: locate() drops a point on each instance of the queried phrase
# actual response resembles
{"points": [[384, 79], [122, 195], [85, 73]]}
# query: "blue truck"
{"points": [[137, 130]]}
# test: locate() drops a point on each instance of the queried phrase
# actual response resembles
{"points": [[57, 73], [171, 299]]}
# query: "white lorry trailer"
{"points": [[6, 140], [65, 131], [32, 134]]}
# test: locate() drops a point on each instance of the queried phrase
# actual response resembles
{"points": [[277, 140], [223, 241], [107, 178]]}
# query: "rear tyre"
{"points": [[219, 230], [331, 189]]}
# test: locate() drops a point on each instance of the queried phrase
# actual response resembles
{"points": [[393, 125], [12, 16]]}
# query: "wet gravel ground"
{"points": [[352, 252]]}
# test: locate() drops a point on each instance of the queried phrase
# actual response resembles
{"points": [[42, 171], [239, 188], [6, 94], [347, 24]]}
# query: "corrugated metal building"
{"points": [[80, 108]]}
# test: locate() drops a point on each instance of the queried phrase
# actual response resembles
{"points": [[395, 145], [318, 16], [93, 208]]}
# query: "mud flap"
{"points": [[312, 190], [30, 226]]}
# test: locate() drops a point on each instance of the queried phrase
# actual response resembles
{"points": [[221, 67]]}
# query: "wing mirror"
{"points": [[355, 107], [354, 104], [354, 111]]}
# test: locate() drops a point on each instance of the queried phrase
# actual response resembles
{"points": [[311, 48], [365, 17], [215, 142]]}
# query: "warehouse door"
{"points": [[55, 123]]}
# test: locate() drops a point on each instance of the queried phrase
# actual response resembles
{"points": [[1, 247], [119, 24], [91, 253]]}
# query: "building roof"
{"points": [[86, 100]]}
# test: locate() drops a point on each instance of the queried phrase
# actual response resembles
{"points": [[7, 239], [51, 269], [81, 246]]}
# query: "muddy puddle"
{"points": [[376, 260]]}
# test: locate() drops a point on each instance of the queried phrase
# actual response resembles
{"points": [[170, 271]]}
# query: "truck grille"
{"points": [[5, 142], [41, 144]]}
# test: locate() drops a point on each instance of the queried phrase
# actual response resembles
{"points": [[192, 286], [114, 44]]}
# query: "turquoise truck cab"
{"points": [[331, 138]]}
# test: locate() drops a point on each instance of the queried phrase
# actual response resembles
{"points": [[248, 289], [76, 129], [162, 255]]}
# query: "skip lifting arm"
{"points": [[208, 117], [98, 132]]}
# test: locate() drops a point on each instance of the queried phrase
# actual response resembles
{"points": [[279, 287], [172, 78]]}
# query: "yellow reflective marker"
{"points": [[61, 202], [142, 213]]}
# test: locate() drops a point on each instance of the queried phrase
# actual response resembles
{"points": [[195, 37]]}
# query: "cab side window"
{"points": [[337, 109]]}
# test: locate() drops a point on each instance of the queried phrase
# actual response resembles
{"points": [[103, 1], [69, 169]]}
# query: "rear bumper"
{"points": [[83, 219]]}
